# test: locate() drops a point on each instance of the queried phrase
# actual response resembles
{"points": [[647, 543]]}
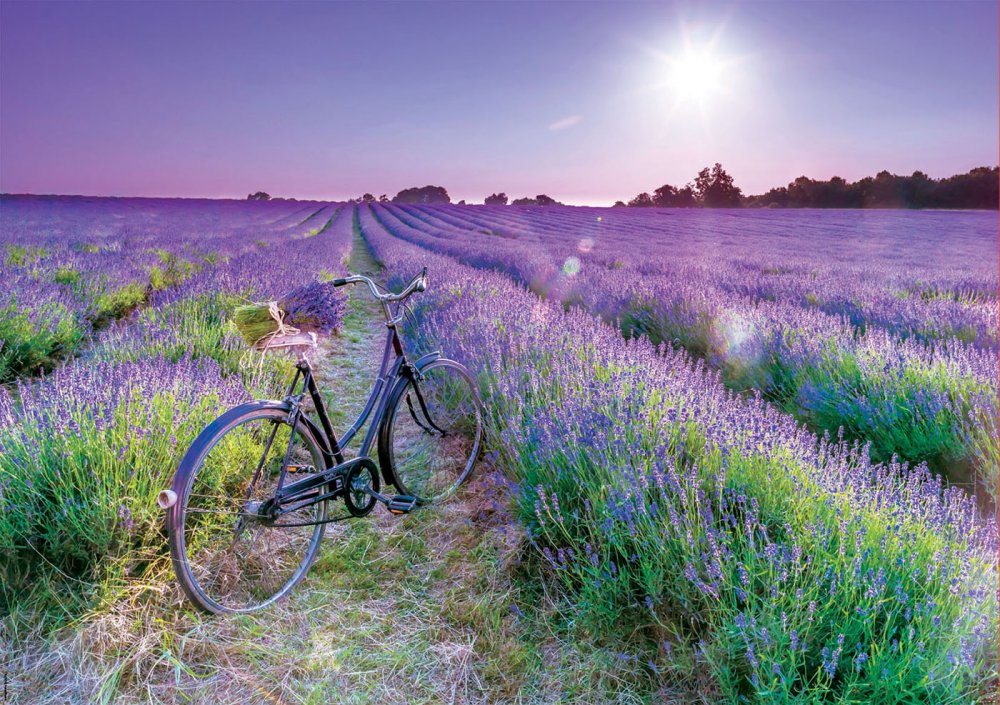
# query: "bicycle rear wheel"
{"points": [[433, 432], [227, 554]]}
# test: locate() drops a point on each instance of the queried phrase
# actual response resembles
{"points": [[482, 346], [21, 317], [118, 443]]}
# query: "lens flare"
{"points": [[737, 335], [571, 266]]}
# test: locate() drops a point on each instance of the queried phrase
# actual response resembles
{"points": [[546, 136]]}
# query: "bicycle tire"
{"points": [[191, 552], [432, 434]]}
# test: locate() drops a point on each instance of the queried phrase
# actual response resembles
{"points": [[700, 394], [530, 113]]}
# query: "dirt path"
{"points": [[397, 599]]}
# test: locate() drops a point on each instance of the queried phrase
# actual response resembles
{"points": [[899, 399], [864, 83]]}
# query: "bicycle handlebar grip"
{"points": [[339, 282], [422, 281]]}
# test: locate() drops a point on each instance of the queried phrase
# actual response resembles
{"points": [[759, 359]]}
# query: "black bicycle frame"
{"points": [[333, 476]]}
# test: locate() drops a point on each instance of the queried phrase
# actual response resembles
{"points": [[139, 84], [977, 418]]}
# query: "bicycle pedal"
{"points": [[401, 504]]}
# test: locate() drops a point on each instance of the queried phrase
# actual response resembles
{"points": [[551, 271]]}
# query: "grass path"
{"points": [[433, 607]]}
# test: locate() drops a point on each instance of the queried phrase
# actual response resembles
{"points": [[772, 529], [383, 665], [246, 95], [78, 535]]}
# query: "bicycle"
{"points": [[249, 502]]}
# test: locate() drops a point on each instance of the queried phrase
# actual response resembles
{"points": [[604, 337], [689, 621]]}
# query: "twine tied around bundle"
{"points": [[279, 317], [263, 343]]}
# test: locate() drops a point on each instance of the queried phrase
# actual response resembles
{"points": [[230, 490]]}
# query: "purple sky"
{"points": [[328, 100]]}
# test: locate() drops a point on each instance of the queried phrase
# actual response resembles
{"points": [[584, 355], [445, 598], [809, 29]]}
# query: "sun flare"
{"points": [[696, 75]]}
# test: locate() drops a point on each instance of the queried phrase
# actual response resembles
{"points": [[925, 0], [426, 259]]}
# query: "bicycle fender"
{"points": [[391, 398], [425, 360], [420, 364]]}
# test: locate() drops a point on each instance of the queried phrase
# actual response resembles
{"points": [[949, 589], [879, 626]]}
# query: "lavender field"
{"points": [[764, 443], [882, 324]]}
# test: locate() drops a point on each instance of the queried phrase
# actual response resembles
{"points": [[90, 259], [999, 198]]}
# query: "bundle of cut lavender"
{"points": [[313, 308]]}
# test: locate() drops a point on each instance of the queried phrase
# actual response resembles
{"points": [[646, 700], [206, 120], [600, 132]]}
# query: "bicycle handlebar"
{"points": [[418, 283]]}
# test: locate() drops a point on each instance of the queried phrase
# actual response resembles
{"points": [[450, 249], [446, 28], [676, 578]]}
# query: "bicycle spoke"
{"points": [[238, 559]]}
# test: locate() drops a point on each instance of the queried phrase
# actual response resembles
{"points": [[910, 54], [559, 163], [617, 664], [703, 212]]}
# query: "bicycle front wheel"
{"points": [[228, 554], [433, 432]]}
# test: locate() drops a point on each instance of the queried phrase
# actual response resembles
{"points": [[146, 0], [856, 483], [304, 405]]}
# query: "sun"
{"points": [[696, 75]]}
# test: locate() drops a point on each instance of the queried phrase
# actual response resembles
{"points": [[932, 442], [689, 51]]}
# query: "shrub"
{"points": [[82, 457], [35, 340], [174, 271], [67, 276], [23, 255], [113, 304]]}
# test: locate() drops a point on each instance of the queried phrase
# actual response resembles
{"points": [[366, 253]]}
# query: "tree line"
{"points": [[714, 187]]}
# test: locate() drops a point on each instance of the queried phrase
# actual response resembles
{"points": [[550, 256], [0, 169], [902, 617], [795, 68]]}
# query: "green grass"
{"points": [[117, 302], [172, 271], [67, 276], [23, 255]]}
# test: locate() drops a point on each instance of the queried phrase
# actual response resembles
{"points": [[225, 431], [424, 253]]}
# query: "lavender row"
{"points": [[870, 277], [193, 317], [72, 265], [928, 275], [785, 565]]}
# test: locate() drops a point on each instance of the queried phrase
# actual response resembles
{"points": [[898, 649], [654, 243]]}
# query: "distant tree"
{"points": [[539, 200], [462, 202], [619, 204], [837, 193], [884, 191], [715, 188], [367, 198], [383, 198], [259, 196], [643, 200], [425, 194], [920, 189], [496, 199], [775, 198], [686, 197], [801, 192], [979, 188], [665, 196]]}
